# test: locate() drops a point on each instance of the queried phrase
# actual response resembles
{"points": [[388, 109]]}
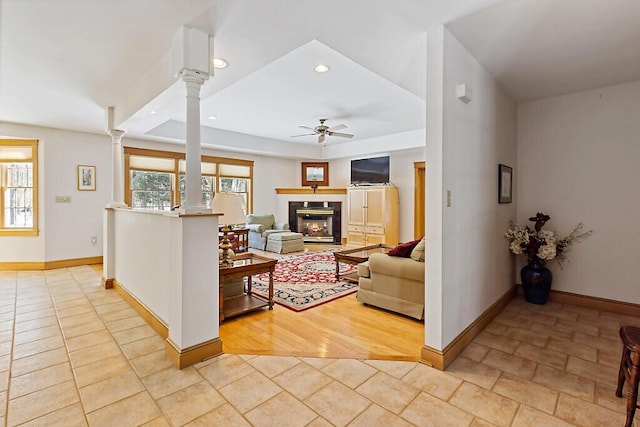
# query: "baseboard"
{"points": [[192, 355], [21, 266], [440, 359], [107, 283], [598, 303], [50, 265], [158, 325]]}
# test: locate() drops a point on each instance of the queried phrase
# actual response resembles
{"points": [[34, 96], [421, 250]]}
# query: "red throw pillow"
{"points": [[404, 249]]}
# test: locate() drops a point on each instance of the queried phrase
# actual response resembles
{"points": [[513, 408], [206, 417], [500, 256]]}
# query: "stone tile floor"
{"points": [[72, 353]]}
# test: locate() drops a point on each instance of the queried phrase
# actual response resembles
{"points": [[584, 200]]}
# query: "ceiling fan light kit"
{"points": [[323, 131]]}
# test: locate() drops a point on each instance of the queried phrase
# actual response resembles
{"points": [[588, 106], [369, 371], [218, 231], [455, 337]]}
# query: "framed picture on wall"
{"points": [[315, 173], [505, 182], [86, 178]]}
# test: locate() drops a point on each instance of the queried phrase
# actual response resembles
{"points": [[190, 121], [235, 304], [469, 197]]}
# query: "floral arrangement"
{"points": [[542, 245]]}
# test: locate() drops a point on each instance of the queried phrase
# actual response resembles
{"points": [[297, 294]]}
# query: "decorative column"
{"points": [[117, 189], [193, 177]]}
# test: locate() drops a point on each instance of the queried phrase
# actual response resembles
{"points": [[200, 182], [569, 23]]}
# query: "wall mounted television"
{"points": [[370, 171]]}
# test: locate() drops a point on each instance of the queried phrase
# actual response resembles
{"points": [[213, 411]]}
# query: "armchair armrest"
{"points": [[258, 228], [281, 226]]}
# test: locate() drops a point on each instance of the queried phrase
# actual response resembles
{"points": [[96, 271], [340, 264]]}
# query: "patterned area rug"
{"points": [[301, 282]]}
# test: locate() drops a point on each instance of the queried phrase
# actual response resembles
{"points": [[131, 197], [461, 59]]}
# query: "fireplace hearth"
{"points": [[319, 222]]}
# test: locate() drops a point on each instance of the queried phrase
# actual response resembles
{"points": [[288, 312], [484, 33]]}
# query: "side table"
{"points": [[245, 265]]}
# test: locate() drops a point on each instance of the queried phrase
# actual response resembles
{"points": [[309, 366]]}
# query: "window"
{"points": [[208, 189], [151, 190], [18, 187], [155, 179]]}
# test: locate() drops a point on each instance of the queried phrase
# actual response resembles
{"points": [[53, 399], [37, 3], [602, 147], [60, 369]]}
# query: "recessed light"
{"points": [[321, 68], [153, 112], [220, 63], [212, 117]]}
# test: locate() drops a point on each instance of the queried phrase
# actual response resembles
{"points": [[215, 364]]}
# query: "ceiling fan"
{"points": [[323, 131]]}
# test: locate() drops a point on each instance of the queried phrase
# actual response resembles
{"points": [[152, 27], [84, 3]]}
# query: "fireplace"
{"points": [[319, 222]]}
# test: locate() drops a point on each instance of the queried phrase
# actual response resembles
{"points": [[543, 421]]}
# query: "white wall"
{"points": [[65, 228], [477, 268], [578, 158], [169, 263], [271, 173], [69, 227]]}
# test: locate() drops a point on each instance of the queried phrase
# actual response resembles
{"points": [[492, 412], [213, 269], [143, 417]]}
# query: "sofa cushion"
{"points": [[268, 233], [266, 220], [404, 249], [404, 268], [417, 254], [281, 235]]}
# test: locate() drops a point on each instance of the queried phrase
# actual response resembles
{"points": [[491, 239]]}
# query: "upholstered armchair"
{"points": [[260, 227], [394, 283]]}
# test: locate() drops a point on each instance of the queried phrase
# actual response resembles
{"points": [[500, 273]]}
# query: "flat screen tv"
{"points": [[374, 170]]}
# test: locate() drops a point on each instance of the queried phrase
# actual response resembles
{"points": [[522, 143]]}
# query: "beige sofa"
{"points": [[260, 227], [392, 283]]}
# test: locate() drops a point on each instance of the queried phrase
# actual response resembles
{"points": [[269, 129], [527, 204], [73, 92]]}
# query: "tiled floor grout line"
{"points": [[66, 346], [100, 317], [61, 289], [13, 328]]}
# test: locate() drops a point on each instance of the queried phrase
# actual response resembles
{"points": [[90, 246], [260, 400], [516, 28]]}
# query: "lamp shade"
{"points": [[232, 207]]}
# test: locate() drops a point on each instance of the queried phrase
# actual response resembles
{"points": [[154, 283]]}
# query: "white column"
{"points": [[193, 177], [117, 189]]}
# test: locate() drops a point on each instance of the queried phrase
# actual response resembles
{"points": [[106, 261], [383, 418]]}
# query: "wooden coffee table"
{"points": [[245, 265], [356, 256]]}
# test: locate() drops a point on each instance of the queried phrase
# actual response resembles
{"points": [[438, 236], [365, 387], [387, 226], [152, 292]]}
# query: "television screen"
{"points": [[370, 171]]}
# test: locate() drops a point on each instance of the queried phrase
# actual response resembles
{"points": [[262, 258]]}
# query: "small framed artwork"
{"points": [[315, 173], [86, 178], [505, 184]]}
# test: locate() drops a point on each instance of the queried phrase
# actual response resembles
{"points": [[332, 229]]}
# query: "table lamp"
{"points": [[232, 207]]}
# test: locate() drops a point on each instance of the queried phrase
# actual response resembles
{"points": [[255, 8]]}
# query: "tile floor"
{"points": [[73, 354]]}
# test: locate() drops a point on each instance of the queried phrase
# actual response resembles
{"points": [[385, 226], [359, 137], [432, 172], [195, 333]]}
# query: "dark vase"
{"points": [[536, 282]]}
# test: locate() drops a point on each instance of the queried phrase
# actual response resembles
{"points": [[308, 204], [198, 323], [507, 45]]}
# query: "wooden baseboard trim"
{"points": [[158, 325], [441, 359], [21, 266], [598, 303], [50, 265], [107, 283], [194, 354]]}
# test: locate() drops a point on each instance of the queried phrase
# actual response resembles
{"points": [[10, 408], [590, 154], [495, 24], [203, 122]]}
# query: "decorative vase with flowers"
{"points": [[540, 246]]}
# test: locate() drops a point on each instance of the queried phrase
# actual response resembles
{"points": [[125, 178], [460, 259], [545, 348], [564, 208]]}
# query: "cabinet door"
{"points": [[356, 203], [375, 207], [355, 238], [375, 239]]}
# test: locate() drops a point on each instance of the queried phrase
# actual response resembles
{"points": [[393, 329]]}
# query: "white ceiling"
{"points": [[63, 61], [542, 48], [273, 101]]}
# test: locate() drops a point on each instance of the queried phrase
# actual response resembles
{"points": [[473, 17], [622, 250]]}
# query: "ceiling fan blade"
{"points": [[343, 135], [338, 127], [306, 127], [321, 138], [304, 134]]}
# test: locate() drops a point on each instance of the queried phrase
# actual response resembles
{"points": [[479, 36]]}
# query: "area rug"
{"points": [[301, 282]]}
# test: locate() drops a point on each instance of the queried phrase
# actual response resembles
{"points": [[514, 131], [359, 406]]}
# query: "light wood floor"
{"points": [[343, 328]]}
